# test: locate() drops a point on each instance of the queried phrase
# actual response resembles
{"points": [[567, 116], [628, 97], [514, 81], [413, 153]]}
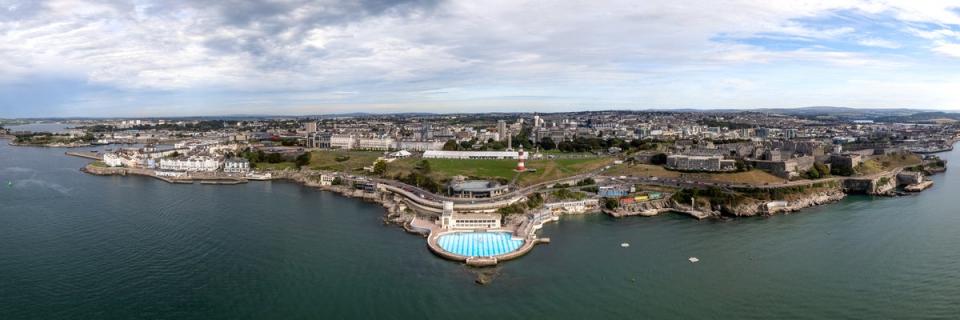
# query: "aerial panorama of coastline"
{"points": [[454, 159]]}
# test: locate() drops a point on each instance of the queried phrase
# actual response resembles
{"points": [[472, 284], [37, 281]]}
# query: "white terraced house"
{"points": [[236, 166], [193, 164]]}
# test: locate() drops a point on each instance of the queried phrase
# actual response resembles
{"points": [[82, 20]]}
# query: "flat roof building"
{"points": [[476, 189]]}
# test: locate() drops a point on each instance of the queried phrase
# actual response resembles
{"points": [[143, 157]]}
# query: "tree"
{"points": [[842, 171], [303, 159], [289, 142], [274, 158], [336, 181], [451, 145], [659, 159], [611, 203], [822, 169], [425, 167], [380, 167], [547, 143]]}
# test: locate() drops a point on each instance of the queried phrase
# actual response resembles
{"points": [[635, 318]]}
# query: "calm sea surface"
{"points": [[75, 246], [40, 127]]}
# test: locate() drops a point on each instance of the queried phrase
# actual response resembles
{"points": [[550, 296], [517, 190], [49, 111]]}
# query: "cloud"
{"points": [[879, 43], [207, 56], [948, 49]]}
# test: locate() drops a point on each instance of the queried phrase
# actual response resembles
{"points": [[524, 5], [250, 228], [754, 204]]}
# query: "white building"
{"points": [[236, 165], [420, 145], [327, 179], [112, 160], [124, 159], [472, 221], [452, 220], [700, 163], [384, 143], [440, 154], [581, 206], [343, 141], [193, 164]]}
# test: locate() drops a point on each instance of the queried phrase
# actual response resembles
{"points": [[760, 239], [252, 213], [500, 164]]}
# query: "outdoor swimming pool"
{"points": [[479, 244]]}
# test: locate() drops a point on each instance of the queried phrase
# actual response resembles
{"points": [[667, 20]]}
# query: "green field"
{"points": [[350, 160], [560, 168], [442, 169]]}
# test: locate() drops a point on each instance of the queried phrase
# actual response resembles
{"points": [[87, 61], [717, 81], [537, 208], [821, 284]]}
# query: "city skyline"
{"points": [[198, 58]]}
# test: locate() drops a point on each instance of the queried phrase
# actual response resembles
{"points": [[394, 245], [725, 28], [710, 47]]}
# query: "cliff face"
{"points": [[815, 199], [646, 209], [882, 185], [755, 207]]}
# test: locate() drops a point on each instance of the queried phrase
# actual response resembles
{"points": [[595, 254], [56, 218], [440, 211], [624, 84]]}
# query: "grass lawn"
{"points": [[99, 164], [442, 169], [356, 160], [275, 166], [887, 162], [757, 177], [642, 170], [478, 168], [559, 168]]}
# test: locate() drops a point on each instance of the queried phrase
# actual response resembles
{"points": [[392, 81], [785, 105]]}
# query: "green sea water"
{"points": [[76, 246]]}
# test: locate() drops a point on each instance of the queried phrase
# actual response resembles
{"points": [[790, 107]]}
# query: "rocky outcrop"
{"points": [[883, 185], [645, 209], [755, 207], [811, 200]]}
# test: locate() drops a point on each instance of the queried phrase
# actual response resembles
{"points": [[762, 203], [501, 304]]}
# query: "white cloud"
{"points": [[880, 43], [481, 48], [948, 49]]}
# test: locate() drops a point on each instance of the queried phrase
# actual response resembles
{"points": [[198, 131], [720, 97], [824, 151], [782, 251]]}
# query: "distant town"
{"points": [[500, 177]]}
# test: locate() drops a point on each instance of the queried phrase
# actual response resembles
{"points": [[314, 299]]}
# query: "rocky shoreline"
{"points": [[398, 213], [882, 185]]}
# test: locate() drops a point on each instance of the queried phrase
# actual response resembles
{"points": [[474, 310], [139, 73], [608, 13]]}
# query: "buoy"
{"points": [[693, 259], [624, 245]]}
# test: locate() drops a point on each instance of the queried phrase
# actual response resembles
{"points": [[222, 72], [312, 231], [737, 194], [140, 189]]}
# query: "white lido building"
{"points": [[193, 164], [452, 220], [441, 154]]}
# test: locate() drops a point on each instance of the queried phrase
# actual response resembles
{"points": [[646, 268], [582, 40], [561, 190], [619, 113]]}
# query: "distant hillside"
{"points": [[922, 117]]}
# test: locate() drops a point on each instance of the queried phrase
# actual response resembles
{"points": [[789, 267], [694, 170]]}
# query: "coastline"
{"points": [[394, 204], [403, 212]]}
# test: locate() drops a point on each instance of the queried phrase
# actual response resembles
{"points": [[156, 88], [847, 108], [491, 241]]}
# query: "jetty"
{"points": [[92, 155]]}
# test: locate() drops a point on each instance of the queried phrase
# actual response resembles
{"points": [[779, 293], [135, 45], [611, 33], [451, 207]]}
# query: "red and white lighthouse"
{"points": [[521, 158]]}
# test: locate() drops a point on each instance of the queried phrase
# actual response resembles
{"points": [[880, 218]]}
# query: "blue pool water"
{"points": [[479, 244]]}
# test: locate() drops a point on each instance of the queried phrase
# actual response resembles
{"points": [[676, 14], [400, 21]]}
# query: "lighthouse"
{"points": [[521, 157]]}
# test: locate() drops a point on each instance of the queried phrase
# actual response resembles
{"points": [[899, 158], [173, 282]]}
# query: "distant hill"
{"points": [[922, 117]]}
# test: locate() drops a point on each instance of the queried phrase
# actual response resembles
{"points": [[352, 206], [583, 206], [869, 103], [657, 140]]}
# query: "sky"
{"points": [[64, 58]]}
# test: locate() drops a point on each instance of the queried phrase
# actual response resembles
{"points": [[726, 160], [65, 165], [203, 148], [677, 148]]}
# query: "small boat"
{"points": [[693, 260], [624, 245], [10, 184]]}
